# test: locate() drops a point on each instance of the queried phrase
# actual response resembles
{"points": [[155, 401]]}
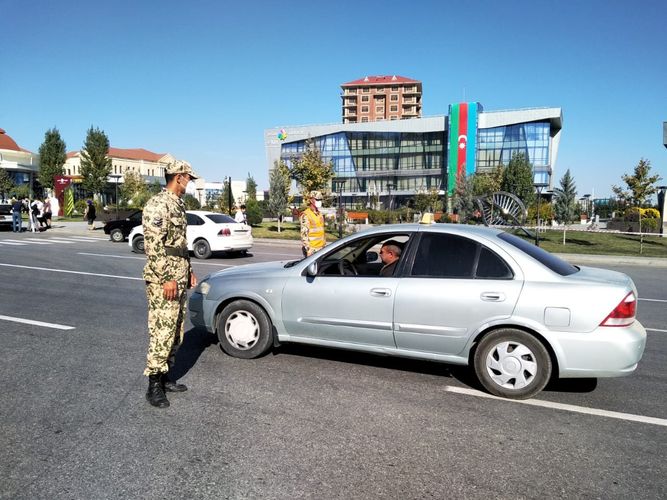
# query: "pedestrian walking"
{"points": [[240, 215], [47, 212], [17, 208], [168, 274], [312, 225], [33, 213]]}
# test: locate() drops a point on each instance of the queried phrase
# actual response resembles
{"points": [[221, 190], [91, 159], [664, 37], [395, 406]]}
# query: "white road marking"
{"points": [[36, 323], [653, 300], [30, 241], [5, 242], [295, 254], [565, 407], [655, 330], [59, 240], [144, 258], [73, 272], [88, 238]]}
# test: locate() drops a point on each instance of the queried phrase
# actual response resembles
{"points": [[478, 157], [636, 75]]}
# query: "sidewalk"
{"points": [[81, 227]]}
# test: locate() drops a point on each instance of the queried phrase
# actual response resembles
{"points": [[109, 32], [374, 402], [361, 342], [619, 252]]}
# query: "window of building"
{"points": [[364, 119], [379, 109], [364, 109], [394, 88], [394, 98], [393, 107], [364, 98], [394, 117], [366, 90]]}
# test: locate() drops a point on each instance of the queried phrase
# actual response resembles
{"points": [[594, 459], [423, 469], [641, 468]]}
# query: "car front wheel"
{"points": [[116, 235], [138, 244], [244, 330], [512, 364], [201, 249]]}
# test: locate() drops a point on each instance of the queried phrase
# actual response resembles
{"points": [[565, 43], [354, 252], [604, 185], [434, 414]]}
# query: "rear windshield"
{"points": [[220, 218], [554, 263]]}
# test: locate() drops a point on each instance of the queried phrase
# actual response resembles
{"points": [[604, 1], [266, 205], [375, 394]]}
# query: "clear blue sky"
{"points": [[203, 80]]}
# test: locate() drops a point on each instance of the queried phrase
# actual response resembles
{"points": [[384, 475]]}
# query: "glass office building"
{"points": [[401, 158]]}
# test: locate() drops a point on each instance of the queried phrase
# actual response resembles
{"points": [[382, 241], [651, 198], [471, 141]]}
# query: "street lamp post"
{"points": [[116, 177], [338, 187], [538, 182], [229, 193]]}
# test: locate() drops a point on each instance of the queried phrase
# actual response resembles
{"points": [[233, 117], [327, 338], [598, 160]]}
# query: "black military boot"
{"points": [[171, 386], [155, 394]]}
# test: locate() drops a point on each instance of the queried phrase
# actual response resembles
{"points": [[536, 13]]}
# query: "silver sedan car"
{"points": [[466, 295]]}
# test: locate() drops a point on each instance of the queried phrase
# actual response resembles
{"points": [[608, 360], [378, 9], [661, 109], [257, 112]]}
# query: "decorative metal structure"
{"points": [[502, 209]]}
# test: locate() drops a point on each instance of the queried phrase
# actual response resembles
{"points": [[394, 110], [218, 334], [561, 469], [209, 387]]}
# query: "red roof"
{"points": [[128, 154], [380, 80], [7, 142]]}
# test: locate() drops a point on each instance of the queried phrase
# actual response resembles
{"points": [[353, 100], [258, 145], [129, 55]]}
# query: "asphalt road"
{"points": [[300, 423]]}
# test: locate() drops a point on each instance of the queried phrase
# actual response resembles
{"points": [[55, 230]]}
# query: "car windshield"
{"points": [[220, 218], [554, 263]]}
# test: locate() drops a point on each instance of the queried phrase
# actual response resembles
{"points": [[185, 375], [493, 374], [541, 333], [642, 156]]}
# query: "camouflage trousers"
{"points": [[166, 326]]}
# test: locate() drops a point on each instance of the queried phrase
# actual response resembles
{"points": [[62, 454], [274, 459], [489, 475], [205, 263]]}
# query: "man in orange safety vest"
{"points": [[312, 225]]}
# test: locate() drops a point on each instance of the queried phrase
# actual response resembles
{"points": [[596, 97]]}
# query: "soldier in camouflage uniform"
{"points": [[168, 274]]}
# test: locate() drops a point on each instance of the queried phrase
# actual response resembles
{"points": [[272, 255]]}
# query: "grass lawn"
{"points": [[583, 242]]}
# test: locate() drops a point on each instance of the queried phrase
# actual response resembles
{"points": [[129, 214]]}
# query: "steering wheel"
{"points": [[346, 268]]}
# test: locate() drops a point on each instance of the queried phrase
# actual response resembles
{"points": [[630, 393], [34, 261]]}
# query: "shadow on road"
{"points": [[195, 342]]}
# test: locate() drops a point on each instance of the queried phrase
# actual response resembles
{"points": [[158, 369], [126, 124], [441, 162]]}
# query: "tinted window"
{"points": [[220, 218], [492, 266], [444, 256], [194, 220], [554, 263]]}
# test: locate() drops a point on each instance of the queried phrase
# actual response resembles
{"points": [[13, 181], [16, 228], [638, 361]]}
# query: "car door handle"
{"points": [[380, 292], [492, 296]]}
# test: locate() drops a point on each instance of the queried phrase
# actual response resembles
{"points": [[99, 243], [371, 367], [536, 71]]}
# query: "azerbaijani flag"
{"points": [[462, 142]]}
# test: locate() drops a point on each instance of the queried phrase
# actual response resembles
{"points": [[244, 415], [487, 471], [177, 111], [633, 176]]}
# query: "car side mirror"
{"points": [[372, 256], [311, 270]]}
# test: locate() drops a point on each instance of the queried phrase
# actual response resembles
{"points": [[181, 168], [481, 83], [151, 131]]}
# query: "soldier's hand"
{"points": [[170, 290], [193, 280]]}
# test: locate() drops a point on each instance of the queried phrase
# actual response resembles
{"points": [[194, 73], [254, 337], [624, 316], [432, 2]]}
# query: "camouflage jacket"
{"points": [[164, 225]]}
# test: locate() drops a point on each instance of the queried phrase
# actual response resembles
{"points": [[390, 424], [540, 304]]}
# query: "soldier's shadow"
{"points": [[195, 342]]}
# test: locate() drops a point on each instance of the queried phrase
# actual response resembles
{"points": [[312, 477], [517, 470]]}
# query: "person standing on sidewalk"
{"points": [[168, 274], [312, 225], [90, 214], [17, 207]]}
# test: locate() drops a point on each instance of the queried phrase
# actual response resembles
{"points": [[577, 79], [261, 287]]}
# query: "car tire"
{"points": [[138, 244], [244, 330], [201, 249], [116, 235], [512, 364]]}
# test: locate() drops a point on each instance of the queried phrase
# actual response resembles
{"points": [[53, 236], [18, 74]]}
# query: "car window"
{"points": [[220, 219], [194, 220], [490, 266], [554, 263], [444, 256], [136, 216]]}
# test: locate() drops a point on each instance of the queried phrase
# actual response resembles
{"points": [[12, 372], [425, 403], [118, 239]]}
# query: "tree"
{"points": [[134, 190], [640, 185], [485, 184], [223, 200], [310, 171], [279, 184], [190, 202], [95, 162], [566, 199], [6, 183], [250, 188], [427, 201], [518, 179], [464, 198], [52, 157]]}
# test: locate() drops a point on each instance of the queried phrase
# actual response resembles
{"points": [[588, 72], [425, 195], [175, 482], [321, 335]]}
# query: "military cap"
{"points": [[315, 194], [181, 167]]}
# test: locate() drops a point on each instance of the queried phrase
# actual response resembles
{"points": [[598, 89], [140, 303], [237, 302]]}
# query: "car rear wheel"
{"points": [[244, 330], [512, 364], [201, 249], [138, 244], [116, 235]]}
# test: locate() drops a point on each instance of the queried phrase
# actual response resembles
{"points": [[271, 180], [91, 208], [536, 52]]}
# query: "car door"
{"points": [[454, 286], [195, 228], [332, 308]]}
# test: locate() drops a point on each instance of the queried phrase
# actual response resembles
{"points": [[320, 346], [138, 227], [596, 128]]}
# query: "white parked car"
{"points": [[207, 232]]}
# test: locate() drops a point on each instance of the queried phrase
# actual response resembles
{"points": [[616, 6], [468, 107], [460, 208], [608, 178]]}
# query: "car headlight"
{"points": [[203, 288]]}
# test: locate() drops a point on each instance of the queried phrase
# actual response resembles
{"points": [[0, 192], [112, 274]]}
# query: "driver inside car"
{"points": [[390, 253]]}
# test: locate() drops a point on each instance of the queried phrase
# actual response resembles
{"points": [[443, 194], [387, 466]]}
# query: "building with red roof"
{"points": [[21, 165], [380, 98]]}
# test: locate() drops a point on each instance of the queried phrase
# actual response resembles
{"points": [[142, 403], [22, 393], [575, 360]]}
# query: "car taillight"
{"points": [[225, 232], [624, 313]]}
